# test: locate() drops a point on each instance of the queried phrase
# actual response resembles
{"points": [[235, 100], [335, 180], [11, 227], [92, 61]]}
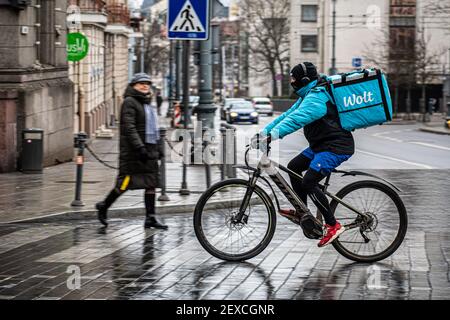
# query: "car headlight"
{"points": [[233, 114], [254, 114]]}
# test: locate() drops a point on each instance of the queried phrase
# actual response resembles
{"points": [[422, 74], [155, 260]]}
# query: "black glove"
{"points": [[254, 142], [260, 141], [143, 155]]}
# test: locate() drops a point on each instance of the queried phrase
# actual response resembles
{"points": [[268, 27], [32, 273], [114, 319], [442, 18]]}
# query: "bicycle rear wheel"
{"points": [[220, 235], [379, 235]]}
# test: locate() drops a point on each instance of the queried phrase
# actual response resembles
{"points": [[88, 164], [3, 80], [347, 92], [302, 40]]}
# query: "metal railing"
{"points": [[227, 169]]}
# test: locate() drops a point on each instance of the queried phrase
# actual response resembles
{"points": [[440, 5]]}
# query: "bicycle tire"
{"points": [[402, 215], [210, 248]]}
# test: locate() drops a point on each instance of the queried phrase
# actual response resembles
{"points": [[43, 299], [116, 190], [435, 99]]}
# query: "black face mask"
{"points": [[296, 86]]}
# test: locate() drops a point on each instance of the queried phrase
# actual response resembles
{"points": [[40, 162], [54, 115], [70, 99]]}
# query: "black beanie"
{"points": [[311, 71]]}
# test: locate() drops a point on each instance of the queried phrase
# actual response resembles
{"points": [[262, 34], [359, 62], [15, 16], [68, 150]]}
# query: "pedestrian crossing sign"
{"points": [[188, 19]]}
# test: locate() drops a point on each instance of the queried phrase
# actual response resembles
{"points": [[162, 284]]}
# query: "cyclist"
{"points": [[329, 144]]}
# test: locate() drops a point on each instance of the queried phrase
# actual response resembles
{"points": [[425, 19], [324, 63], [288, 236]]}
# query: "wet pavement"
{"points": [[42, 261]]}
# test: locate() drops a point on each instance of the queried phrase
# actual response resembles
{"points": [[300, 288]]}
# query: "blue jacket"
{"points": [[315, 112], [311, 106]]}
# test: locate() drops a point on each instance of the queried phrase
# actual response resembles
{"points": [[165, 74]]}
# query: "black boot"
{"points": [[102, 207], [150, 218], [151, 222]]}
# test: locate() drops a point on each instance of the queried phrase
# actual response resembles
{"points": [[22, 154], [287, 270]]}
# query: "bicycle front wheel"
{"points": [[220, 234], [380, 232]]}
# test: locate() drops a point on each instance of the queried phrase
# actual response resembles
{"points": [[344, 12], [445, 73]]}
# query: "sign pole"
{"points": [[187, 46]]}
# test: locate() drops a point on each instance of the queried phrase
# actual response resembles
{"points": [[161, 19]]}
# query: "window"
{"points": [[309, 13], [309, 43]]}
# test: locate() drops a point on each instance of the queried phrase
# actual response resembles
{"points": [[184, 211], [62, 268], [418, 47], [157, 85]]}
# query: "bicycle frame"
{"points": [[267, 165]]}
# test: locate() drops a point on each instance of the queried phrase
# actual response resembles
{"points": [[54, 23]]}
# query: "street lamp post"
{"points": [[142, 55], [447, 90], [333, 42], [178, 64], [206, 109], [171, 82]]}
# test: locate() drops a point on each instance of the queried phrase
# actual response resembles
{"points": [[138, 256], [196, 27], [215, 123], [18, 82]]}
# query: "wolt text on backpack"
{"points": [[361, 97]]}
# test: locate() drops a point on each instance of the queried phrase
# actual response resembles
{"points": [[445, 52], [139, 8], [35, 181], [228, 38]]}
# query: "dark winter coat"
{"points": [[142, 175], [319, 119]]}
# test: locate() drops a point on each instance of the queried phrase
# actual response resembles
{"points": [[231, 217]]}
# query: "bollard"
{"points": [[79, 142], [184, 191], [163, 196], [233, 168], [229, 168], [176, 119], [206, 160], [223, 132]]}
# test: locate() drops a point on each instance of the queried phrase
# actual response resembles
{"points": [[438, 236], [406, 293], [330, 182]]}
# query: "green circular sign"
{"points": [[77, 46]]}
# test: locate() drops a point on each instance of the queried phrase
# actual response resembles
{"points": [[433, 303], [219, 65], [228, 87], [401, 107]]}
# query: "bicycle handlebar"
{"points": [[248, 147]]}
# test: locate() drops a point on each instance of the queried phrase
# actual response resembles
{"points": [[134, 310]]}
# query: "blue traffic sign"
{"points": [[188, 19], [356, 62]]}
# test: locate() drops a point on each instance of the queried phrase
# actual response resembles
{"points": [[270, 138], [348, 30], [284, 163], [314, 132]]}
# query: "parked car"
{"points": [[193, 103], [263, 105], [242, 111], [226, 104]]}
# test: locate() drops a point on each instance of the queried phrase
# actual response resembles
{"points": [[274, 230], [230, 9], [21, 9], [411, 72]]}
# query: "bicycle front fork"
{"points": [[241, 216]]}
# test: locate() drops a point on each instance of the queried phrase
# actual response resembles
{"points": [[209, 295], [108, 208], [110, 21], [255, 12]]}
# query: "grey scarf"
{"points": [[151, 125]]}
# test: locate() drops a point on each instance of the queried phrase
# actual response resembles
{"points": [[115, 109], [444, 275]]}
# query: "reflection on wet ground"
{"points": [[125, 261]]}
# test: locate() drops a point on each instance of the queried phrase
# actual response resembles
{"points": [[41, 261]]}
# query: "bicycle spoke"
{"points": [[232, 237], [381, 223]]}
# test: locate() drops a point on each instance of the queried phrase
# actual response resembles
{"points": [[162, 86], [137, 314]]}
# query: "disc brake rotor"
{"points": [[231, 222]]}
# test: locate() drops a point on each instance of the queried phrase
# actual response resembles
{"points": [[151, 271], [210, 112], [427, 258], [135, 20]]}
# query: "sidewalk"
{"points": [[436, 125], [48, 196]]}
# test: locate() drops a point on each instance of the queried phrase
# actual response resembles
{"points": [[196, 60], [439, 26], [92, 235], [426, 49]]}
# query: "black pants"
{"points": [[309, 186]]}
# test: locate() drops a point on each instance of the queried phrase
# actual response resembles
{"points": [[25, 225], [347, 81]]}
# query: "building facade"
{"points": [[102, 76], [35, 89], [376, 33]]}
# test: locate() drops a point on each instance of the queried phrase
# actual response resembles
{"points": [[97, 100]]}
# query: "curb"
{"points": [[435, 130], [401, 122], [125, 212]]}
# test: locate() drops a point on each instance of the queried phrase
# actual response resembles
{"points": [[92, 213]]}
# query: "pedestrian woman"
{"points": [[140, 150], [159, 101]]}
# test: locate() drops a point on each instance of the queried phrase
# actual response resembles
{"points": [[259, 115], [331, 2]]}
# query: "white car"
{"points": [[263, 105]]}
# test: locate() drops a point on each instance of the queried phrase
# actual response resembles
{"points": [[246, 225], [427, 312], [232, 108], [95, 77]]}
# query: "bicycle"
{"points": [[371, 211]]}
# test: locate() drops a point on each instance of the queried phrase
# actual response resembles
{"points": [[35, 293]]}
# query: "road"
{"points": [[379, 147]]}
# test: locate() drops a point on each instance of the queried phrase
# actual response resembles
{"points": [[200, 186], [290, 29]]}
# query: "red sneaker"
{"points": [[332, 232]]}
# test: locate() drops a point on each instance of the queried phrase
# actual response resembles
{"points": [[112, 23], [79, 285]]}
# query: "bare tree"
{"points": [[428, 67], [410, 66], [397, 63], [437, 6], [268, 27], [156, 49]]}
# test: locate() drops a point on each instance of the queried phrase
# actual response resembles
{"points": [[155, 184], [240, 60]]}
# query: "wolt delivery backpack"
{"points": [[361, 97]]}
